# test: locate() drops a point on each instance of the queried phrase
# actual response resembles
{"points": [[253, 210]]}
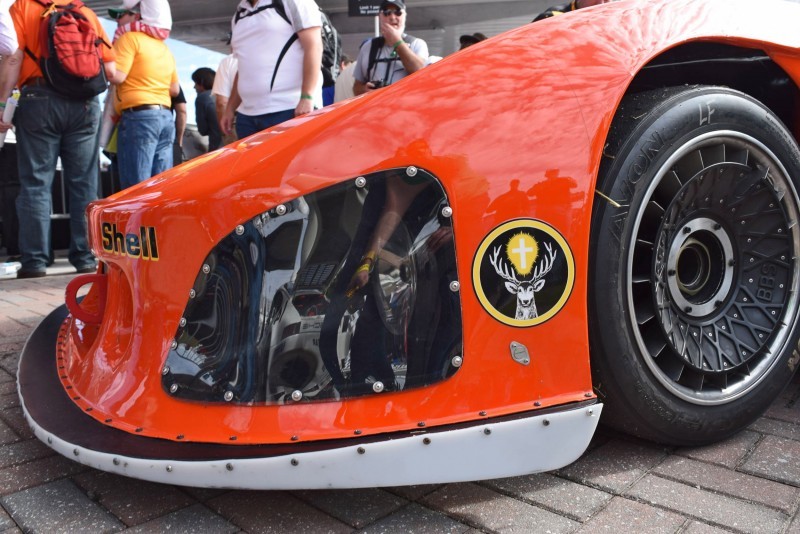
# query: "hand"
{"points": [[304, 106], [391, 34], [226, 124], [4, 126], [359, 280], [370, 87]]}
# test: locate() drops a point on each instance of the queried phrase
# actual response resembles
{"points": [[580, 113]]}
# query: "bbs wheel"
{"points": [[695, 250]]}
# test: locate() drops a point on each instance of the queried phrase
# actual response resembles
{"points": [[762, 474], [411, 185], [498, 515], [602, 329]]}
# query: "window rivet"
{"points": [[280, 209], [457, 361], [377, 387], [411, 171], [239, 230], [455, 286], [447, 212], [361, 182], [297, 395]]}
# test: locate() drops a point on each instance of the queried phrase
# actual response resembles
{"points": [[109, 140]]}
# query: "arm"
{"points": [[359, 88], [311, 41], [226, 124], [9, 74], [118, 77], [394, 37], [221, 103], [180, 122], [399, 196]]}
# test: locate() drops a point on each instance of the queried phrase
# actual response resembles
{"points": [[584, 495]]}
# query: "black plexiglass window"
{"points": [[343, 292]]}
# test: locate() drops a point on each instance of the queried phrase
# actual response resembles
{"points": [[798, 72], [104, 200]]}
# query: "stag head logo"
{"points": [[526, 260], [522, 251]]}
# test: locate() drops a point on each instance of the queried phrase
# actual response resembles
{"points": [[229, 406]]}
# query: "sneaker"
{"points": [[87, 269], [31, 274]]}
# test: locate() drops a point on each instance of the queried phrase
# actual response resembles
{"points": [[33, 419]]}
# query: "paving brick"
{"points": [[58, 507], [728, 453], [728, 482], [624, 515], [776, 427], [132, 501], [557, 494], [204, 494], [794, 527], [196, 519], [614, 466], [356, 507], [27, 475], [16, 421], [777, 459], [23, 451], [706, 506], [273, 512], [6, 523], [414, 493], [9, 400], [417, 519], [7, 434], [695, 527], [10, 362], [482, 508]]}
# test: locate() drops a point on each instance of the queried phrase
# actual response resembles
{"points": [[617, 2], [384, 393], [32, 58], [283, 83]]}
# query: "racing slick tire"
{"points": [[695, 249]]}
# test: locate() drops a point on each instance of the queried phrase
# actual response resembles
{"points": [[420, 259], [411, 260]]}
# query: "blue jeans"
{"points": [[247, 125], [49, 126], [144, 146]]}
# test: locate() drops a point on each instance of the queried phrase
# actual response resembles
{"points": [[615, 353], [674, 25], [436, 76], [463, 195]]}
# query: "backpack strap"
{"points": [[242, 13], [375, 45], [285, 49]]}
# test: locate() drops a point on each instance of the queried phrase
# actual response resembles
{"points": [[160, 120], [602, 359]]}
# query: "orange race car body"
{"points": [[222, 342]]}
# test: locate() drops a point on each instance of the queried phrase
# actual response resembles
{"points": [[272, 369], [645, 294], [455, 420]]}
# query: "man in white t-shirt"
{"points": [[278, 47], [223, 85]]}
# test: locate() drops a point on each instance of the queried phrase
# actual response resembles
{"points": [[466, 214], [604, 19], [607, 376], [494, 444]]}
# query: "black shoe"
{"points": [[31, 274], [86, 270]]}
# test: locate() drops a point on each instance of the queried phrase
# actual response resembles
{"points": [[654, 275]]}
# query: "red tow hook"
{"points": [[100, 282]]}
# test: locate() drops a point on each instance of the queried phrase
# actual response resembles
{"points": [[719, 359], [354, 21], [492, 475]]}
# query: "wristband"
{"points": [[306, 97], [364, 268], [394, 46]]}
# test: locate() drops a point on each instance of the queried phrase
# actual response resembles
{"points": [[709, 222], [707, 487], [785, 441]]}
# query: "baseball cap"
{"points": [[397, 3], [116, 12]]}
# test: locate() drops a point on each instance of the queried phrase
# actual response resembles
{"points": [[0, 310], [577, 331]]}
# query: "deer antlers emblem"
{"points": [[525, 288]]}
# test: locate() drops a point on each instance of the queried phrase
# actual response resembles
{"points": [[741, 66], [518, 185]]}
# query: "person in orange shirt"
{"points": [[50, 125], [145, 80]]}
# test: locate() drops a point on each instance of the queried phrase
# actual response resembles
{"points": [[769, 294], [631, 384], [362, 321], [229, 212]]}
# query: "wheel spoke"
{"points": [[711, 269]]}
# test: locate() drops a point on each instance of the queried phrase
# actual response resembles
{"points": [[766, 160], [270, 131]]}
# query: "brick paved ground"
{"points": [[750, 483]]}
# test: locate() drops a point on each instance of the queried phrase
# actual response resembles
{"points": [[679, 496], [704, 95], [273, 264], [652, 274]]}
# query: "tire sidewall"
{"points": [[651, 410]]}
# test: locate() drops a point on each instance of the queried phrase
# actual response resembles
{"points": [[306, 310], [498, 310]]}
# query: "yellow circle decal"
{"points": [[523, 272]]}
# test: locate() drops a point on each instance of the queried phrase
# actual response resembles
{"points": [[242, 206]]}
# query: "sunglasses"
{"points": [[387, 12]]}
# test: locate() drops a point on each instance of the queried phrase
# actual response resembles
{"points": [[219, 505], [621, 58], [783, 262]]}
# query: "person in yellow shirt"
{"points": [[146, 78]]}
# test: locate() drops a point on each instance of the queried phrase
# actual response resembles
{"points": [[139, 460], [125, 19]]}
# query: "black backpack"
{"points": [[70, 51], [331, 42]]}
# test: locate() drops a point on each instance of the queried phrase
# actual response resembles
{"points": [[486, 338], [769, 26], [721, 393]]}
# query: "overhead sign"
{"points": [[363, 8]]}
